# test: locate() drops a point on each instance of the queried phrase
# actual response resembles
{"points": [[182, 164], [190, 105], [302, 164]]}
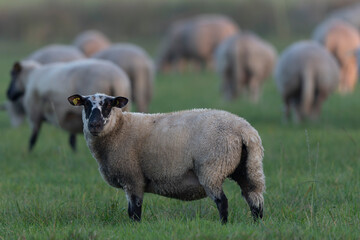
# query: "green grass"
{"points": [[312, 175]]}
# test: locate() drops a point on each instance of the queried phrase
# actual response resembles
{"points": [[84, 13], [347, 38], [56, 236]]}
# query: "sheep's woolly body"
{"points": [[244, 61], [342, 40], [306, 74], [195, 39], [185, 155], [91, 42], [138, 66], [56, 53]]}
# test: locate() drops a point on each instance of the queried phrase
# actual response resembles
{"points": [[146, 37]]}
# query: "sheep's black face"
{"points": [[97, 110], [15, 91]]}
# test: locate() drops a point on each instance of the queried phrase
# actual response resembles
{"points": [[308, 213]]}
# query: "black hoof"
{"points": [[257, 212]]}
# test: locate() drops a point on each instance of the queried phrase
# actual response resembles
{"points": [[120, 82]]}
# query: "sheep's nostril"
{"points": [[95, 124]]}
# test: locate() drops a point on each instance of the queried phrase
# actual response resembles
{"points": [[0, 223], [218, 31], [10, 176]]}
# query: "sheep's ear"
{"points": [[76, 100], [17, 67], [120, 102]]}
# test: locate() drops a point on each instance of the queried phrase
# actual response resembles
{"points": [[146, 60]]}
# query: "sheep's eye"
{"points": [[108, 104], [87, 104]]}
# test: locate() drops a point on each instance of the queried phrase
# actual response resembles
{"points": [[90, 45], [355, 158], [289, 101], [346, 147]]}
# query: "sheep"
{"points": [[185, 155], [91, 42], [44, 87], [243, 62], [194, 39], [45, 55], [56, 53], [306, 74], [138, 66], [350, 14], [342, 40]]}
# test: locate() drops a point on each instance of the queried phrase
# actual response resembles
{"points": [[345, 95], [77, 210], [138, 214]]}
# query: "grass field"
{"points": [[312, 174]]}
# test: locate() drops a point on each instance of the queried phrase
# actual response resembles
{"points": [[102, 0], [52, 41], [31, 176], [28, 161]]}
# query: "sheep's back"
{"points": [[305, 56], [56, 53], [183, 141]]}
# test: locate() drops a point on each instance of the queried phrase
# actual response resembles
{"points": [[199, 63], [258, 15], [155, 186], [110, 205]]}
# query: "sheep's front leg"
{"points": [[72, 141], [134, 206], [218, 196], [35, 126], [222, 206]]}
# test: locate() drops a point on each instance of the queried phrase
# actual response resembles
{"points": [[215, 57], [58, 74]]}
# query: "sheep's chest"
{"points": [[113, 179]]}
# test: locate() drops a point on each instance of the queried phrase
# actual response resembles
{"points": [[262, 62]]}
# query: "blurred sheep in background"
{"points": [[45, 89], [342, 40], [45, 55], [91, 42], [243, 62], [306, 74], [350, 14], [138, 66], [194, 40]]}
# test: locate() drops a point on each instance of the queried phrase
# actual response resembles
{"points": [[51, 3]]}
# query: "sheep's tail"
{"points": [[307, 92], [249, 173]]}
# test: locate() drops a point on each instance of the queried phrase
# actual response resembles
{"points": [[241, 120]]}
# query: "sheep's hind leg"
{"points": [[251, 186], [222, 206], [218, 196]]}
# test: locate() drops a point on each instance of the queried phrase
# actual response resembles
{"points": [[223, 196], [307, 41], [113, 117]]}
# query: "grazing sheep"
{"points": [[342, 40], [45, 55], [46, 87], [244, 61], [91, 42], [194, 39], [185, 155], [306, 74], [138, 66]]}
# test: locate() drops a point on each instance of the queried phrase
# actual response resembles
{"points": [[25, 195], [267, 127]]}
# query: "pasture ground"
{"points": [[312, 174]]}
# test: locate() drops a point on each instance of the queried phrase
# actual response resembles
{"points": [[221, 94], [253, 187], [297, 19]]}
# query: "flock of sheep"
{"points": [[185, 155]]}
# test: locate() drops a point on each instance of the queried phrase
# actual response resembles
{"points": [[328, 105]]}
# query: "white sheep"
{"points": [[306, 74], [244, 61], [91, 42], [138, 66], [194, 39], [45, 55], [185, 155], [46, 87], [56, 53]]}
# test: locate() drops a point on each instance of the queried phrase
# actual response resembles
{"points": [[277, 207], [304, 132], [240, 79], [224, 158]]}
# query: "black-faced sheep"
{"points": [[185, 155], [342, 40], [194, 40], [138, 66], [46, 87], [244, 61], [91, 42], [306, 74]]}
